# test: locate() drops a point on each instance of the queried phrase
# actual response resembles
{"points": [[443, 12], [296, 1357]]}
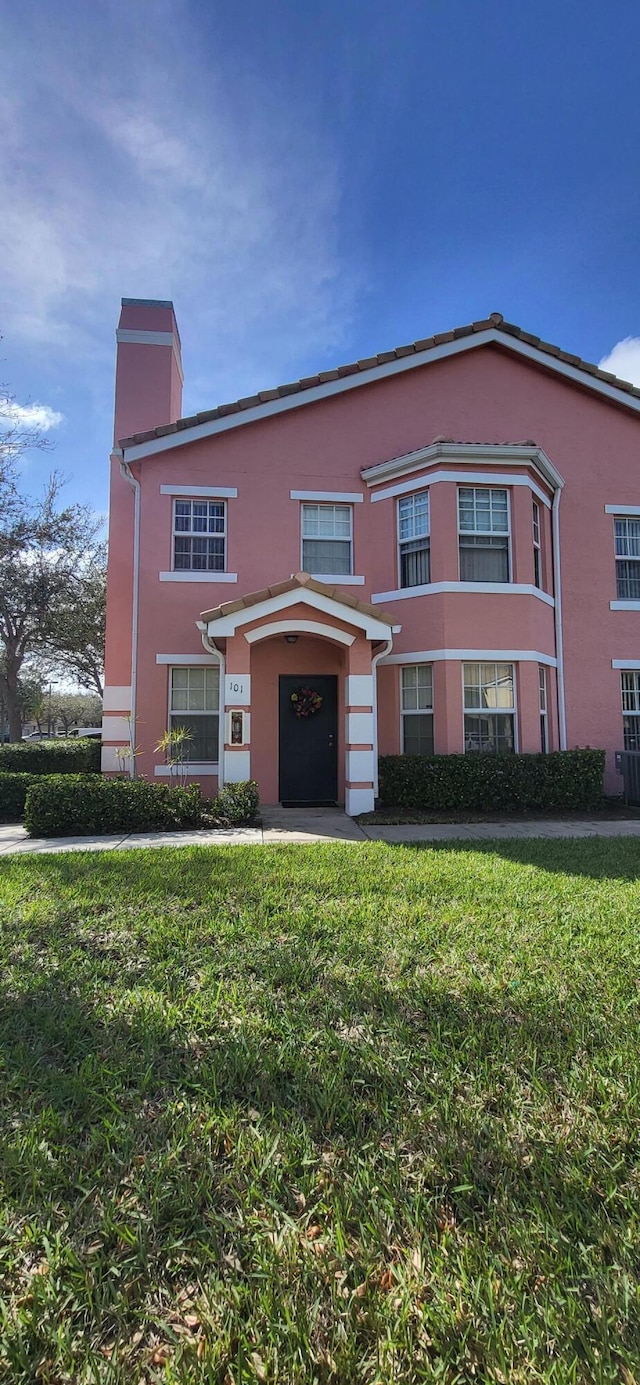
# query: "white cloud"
{"points": [[624, 360], [139, 165], [31, 416]]}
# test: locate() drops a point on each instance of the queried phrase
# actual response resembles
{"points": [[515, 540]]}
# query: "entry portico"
{"points": [[298, 701]]}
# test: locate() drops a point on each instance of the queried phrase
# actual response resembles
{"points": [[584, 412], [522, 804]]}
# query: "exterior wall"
{"points": [[486, 396]]}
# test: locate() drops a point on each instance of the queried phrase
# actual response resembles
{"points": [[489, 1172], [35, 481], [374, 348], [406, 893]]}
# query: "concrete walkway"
{"points": [[320, 825]]}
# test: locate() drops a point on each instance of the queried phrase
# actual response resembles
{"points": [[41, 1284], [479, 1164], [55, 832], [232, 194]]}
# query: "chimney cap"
{"points": [[146, 303]]}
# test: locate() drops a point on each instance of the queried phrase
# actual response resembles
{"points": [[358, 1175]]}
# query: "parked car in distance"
{"points": [[38, 736], [93, 732]]}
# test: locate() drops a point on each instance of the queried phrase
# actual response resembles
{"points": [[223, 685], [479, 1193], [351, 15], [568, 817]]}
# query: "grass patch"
{"points": [[311, 1114]]}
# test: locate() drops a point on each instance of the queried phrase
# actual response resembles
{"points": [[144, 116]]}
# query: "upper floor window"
{"points": [[327, 539], [627, 532], [489, 708], [413, 539], [199, 535], [630, 684], [417, 709], [195, 704], [483, 524], [537, 547]]}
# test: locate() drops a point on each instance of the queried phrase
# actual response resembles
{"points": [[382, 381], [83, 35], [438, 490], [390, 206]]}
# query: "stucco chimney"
{"points": [[148, 367]]}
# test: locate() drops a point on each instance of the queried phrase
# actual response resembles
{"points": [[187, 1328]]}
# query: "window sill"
{"points": [[189, 576], [337, 579], [430, 588], [624, 605], [199, 767]]}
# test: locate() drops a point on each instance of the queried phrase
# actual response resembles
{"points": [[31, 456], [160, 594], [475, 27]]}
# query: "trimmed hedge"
{"points": [[81, 805], [51, 757], [13, 792], [563, 779]]}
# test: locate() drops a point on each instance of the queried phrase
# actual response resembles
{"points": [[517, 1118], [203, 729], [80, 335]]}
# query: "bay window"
{"points": [[416, 701], [413, 539], [489, 708], [483, 528]]}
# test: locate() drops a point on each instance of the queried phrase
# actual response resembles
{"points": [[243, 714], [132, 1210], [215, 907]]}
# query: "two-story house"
{"points": [[433, 549]]}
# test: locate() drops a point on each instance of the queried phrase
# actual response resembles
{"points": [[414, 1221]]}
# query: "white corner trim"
{"points": [[369, 376], [198, 576], [237, 766], [359, 689], [116, 698], [306, 596], [183, 659], [624, 605], [625, 663], [223, 492], [498, 656], [115, 728], [499, 454], [359, 729], [206, 767], [343, 497], [470, 478], [358, 801], [295, 627], [359, 766], [622, 509], [500, 588], [332, 579]]}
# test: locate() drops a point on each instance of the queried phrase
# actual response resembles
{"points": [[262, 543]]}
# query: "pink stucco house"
{"points": [[435, 548]]}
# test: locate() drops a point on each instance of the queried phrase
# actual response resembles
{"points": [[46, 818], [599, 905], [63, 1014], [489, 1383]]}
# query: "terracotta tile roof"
{"points": [[300, 579], [495, 321]]}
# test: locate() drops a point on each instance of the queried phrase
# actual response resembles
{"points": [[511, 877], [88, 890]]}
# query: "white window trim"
{"points": [[426, 536], [537, 542], [478, 656], [628, 665], [329, 497], [623, 603], [420, 711], [206, 492], [504, 711], [624, 712], [467, 478], [198, 766], [622, 510], [188, 576], [331, 578], [488, 533], [619, 605], [510, 588], [220, 574]]}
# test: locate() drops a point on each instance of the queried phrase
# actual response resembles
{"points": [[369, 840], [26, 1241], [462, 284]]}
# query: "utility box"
{"points": [[628, 765]]}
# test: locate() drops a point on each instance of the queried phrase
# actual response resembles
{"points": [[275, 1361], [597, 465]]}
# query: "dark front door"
{"points": [[308, 744]]}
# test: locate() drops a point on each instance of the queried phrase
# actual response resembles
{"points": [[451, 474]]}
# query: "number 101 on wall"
{"points": [[237, 689]]}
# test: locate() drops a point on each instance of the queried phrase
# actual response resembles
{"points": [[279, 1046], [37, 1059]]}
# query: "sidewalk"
{"points": [[319, 825]]}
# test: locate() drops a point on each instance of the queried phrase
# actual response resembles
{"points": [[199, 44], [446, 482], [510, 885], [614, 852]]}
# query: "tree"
{"points": [[76, 634], [70, 709], [46, 552]]}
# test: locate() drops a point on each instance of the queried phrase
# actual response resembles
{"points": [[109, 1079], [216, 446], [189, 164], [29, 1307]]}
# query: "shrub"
{"points": [[81, 804], [51, 757], [564, 779], [13, 792], [236, 804]]}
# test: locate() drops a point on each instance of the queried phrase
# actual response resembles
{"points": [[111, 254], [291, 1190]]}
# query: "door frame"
{"points": [[309, 679]]}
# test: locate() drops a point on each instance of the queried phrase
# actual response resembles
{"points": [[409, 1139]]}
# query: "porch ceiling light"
{"points": [[291, 639]]}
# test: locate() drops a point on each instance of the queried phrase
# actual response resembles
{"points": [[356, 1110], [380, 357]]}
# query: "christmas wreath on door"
{"points": [[306, 702]]}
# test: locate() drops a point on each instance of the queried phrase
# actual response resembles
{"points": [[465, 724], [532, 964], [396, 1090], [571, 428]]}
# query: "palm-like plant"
{"points": [[174, 745]]}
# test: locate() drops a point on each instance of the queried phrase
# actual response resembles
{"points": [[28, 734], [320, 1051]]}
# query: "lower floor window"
{"points": [[489, 708], [416, 690], [631, 709], [194, 705], [544, 728]]}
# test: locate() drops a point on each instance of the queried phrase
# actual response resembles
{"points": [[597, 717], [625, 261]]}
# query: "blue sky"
{"points": [[310, 184]]}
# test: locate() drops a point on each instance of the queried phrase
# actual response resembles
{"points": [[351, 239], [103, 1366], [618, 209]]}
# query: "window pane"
{"points": [[413, 516], [417, 735], [488, 734], [326, 521], [542, 678], [203, 744], [483, 511], [414, 563], [627, 538], [183, 515], [628, 580], [417, 687], [329, 556], [630, 684], [631, 730], [488, 685], [484, 560], [195, 689]]}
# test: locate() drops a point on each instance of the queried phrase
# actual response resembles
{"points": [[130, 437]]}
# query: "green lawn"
{"points": [[328, 1113]]}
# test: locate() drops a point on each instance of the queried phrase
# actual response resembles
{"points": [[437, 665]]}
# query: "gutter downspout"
{"points": [[133, 481], [557, 592], [382, 654], [211, 648]]}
